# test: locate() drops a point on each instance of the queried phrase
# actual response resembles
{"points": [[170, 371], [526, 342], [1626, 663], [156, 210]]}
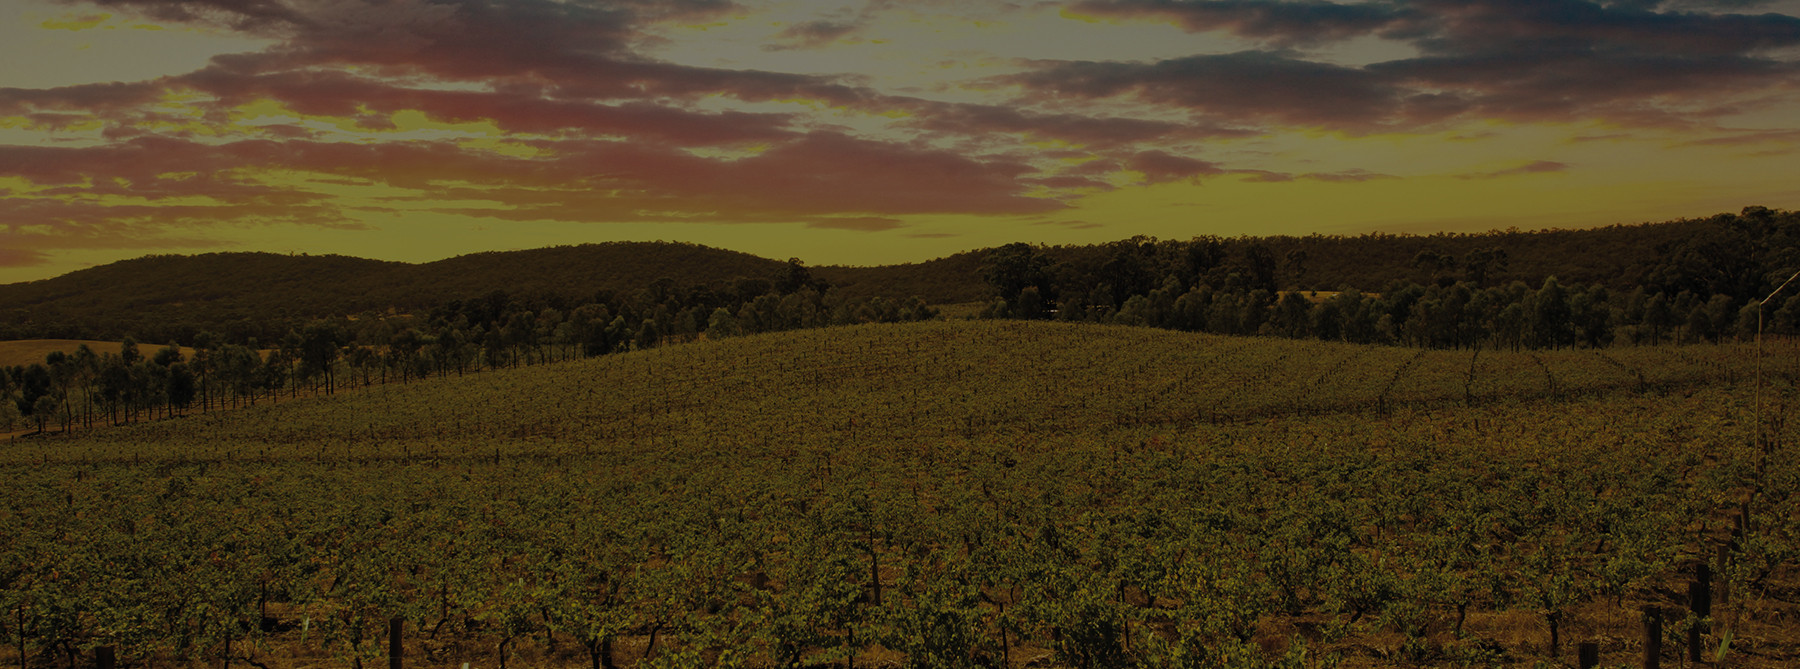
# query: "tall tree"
{"points": [[794, 277], [1479, 264], [1550, 324], [1013, 267], [1659, 317], [319, 347]]}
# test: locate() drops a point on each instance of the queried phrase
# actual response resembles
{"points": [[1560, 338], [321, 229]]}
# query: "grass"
{"points": [[23, 352]]}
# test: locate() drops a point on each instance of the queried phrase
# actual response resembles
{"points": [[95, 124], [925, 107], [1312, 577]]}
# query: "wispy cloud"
{"points": [[1534, 167]]}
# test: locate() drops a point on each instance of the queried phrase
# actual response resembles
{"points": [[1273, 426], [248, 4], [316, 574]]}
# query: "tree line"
{"points": [[264, 295], [499, 329], [1705, 287]]}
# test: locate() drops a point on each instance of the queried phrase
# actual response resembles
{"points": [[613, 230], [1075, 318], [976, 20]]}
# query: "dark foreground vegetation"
{"points": [[937, 495]]}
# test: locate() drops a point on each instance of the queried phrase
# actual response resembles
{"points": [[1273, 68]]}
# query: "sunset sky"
{"points": [[870, 132]]}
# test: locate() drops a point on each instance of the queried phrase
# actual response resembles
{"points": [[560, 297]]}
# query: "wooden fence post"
{"points": [[1722, 558], [1700, 593], [1588, 654], [1697, 605], [1652, 637], [394, 650]]}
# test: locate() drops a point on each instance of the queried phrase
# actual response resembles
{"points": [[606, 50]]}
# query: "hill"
{"points": [[179, 294], [572, 272], [948, 280], [152, 292], [182, 294], [829, 493]]}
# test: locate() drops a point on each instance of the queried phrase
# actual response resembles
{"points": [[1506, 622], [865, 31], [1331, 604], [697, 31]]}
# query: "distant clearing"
{"points": [[29, 351]]}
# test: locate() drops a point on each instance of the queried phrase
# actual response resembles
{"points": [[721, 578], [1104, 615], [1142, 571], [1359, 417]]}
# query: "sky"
{"points": [[870, 132]]}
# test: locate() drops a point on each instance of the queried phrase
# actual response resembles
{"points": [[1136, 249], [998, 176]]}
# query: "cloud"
{"points": [[819, 175], [22, 257], [861, 223], [1347, 176], [87, 98], [1282, 23], [249, 15], [1535, 167], [981, 120], [1159, 167], [1515, 60], [1462, 26], [1749, 137], [1568, 26], [1254, 86], [1071, 224], [812, 35], [340, 94], [823, 173]]}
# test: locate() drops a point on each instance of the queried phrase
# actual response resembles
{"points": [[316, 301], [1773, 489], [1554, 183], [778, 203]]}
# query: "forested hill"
{"points": [[157, 298], [215, 290]]}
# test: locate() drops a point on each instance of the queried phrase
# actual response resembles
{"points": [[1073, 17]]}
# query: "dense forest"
{"points": [[1686, 282]]}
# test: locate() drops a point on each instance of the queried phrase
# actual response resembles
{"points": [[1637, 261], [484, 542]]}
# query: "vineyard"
{"points": [[938, 494]]}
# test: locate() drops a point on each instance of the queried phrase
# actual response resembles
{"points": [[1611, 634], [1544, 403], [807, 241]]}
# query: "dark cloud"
{"points": [[1072, 225], [1462, 27], [1096, 131], [340, 94], [1348, 176], [1721, 5], [1637, 89], [859, 223], [1255, 87], [86, 98], [1284, 23], [1067, 182], [573, 50], [1535, 167], [247, 15], [11, 256], [1159, 167], [812, 35], [1753, 137], [1466, 26], [1515, 60]]}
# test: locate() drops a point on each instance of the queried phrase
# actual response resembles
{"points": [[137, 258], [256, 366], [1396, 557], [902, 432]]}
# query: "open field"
{"points": [[944, 494], [32, 351]]}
